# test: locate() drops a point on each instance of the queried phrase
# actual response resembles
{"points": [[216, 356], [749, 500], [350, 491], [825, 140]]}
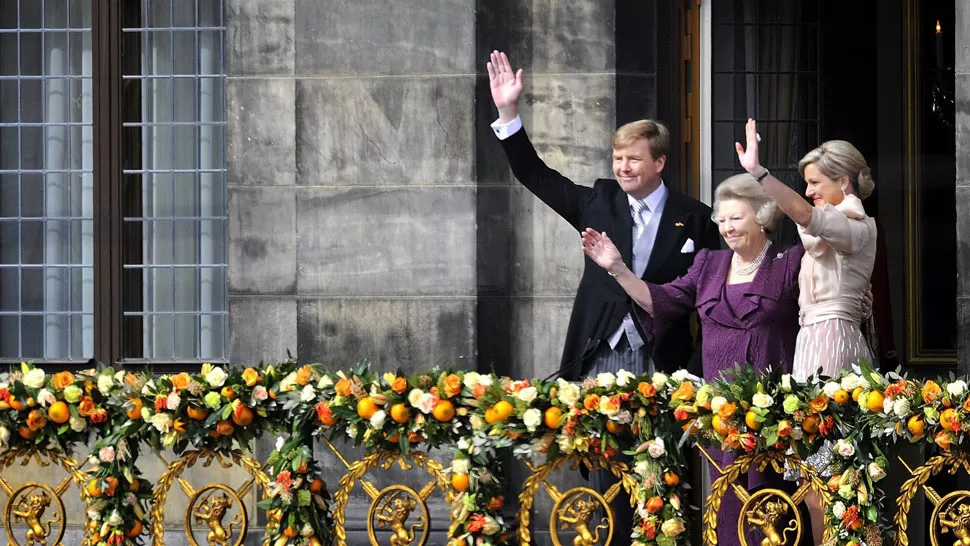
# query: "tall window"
{"points": [[147, 231]]}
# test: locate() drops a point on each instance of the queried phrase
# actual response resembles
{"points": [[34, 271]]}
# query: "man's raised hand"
{"points": [[506, 85]]}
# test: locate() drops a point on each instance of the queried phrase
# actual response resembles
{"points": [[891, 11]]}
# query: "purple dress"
{"points": [[754, 323]]}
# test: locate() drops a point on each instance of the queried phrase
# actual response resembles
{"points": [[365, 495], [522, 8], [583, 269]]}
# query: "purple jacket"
{"points": [[761, 330]]}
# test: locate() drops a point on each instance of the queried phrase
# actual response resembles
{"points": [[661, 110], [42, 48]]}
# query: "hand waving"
{"points": [[601, 250], [506, 85], [749, 157]]}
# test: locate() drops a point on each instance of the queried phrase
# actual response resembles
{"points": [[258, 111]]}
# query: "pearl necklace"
{"points": [[753, 266]]}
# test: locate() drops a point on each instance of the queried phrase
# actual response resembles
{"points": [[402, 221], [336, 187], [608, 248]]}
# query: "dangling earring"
{"points": [[843, 191], [762, 229]]}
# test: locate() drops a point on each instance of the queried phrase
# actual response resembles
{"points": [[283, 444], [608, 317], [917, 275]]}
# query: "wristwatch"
{"points": [[763, 175]]}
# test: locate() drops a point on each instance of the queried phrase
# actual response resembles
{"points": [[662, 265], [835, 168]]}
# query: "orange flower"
{"points": [[591, 402], [63, 379], [181, 381], [251, 377], [727, 410], [179, 426], [452, 385], [478, 391], [820, 404], [89, 387], [303, 375], [131, 379], [931, 391], [647, 389], [86, 407], [343, 386], [36, 420], [496, 503], [966, 405], [684, 392], [400, 385], [942, 439]]}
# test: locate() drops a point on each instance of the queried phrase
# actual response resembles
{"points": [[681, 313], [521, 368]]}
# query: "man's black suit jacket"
{"points": [[600, 302]]}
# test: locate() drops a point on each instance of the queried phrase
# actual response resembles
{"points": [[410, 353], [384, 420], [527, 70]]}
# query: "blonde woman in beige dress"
{"points": [[840, 250]]}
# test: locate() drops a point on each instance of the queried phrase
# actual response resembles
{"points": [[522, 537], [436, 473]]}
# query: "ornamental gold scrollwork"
{"points": [[772, 512], [394, 506], [586, 512], [36, 507], [951, 513], [210, 506]]}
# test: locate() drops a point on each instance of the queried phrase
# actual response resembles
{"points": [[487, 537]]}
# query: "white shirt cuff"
{"points": [[505, 130]]}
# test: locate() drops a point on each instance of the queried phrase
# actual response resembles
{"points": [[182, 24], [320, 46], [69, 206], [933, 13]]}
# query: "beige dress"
{"points": [[840, 250]]}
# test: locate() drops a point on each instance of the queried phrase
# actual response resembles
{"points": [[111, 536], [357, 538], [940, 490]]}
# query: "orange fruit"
{"points": [[916, 425], [366, 407], [444, 411], [25, 432], [751, 419], [228, 392], [654, 504], [135, 531], [491, 415], [197, 413], [841, 397], [31, 402], [811, 423], [316, 485], [135, 485], [553, 417], [874, 401], [395, 438], [400, 413], [720, 426], [290, 532], [93, 488], [135, 412], [17, 404], [948, 418], [856, 393], [459, 482], [505, 409], [671, 479], [59, 412], [242, 415], [613, 427]]}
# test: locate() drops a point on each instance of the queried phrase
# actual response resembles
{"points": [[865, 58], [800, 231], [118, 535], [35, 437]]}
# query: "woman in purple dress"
{"points": [[746, 298]]}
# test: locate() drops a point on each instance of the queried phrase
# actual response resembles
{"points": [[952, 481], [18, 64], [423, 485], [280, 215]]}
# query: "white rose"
{"points": [[568, 393], [107, 454], [876, 472], [486, 380], [786, 382], [120, 376], [565, 442], [659, 380], [901, 407], [34, 378], [864, 383], [414, 397], [464, 444], [427, 403], [461, 466], [325, 382], [762, 400], [605, 380], [172, 402], [477, 422], [957, 388], [216, 377], [307, 394], [845, 448], [94, 515], [471, 379], [717, 402], [4, 436], [260, 393], [838, 509], [608, 407], [528, 394], [680, 375], [850, 382], [46, 397], [532, 418], [105, 383], [623, 378], [656, 448], [641, 468], [377, 420], [162, 422], [114, 519], [831, 388], [352, 431]]}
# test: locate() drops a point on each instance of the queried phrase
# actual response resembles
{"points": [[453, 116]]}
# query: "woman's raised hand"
{"points": [[748, 155]]}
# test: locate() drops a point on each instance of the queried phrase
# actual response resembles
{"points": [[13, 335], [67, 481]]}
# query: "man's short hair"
{"points": [[655, 132]]}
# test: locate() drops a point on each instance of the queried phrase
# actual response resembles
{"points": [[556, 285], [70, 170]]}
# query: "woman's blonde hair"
{"points": [[835, 158], [744, 187]]}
